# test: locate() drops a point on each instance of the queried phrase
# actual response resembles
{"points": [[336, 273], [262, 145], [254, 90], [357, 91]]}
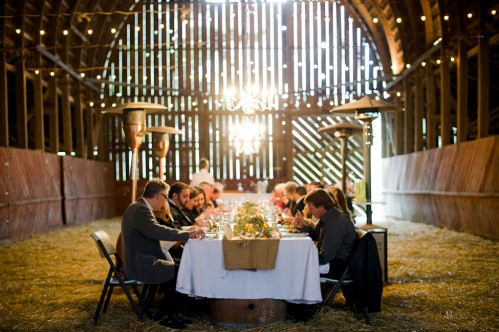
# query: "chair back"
{"points": [[104, 244]]}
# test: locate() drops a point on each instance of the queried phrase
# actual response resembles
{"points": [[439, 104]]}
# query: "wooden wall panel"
{"points": [[32, 187], [89, 190], [456, 187], [30, 199]]}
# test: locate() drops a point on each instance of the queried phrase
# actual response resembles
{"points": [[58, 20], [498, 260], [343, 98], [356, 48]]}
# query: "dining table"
{"points": [[295, 277]]}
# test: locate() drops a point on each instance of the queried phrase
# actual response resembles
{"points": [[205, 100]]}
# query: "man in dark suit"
{"points": [[144, 259], [178, 197]]}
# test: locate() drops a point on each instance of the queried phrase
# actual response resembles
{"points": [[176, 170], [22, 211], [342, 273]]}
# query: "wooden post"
{"points": [[444, 95], [21, 104], [418, 112], [483, 72], [462, 80], [408, 117], [431, 125]]}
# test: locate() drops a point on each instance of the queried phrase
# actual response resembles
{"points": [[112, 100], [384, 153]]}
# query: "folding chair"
{"points": [[346, 279], [115, 279]]}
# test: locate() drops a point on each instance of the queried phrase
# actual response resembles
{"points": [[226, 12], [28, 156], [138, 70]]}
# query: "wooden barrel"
{"points": [[246, 313]]}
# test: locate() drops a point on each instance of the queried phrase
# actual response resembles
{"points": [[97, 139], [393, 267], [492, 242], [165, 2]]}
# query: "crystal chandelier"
{"points": [[246, 135], [250, 101]]}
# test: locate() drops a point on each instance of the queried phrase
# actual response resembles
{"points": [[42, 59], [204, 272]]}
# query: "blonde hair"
{"points": [[340, 200]]}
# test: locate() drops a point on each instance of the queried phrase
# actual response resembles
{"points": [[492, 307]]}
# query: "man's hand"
{"points": [[298, 221], [195, 232]]}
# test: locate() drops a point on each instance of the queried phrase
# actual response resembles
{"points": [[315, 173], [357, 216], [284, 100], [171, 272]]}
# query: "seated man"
{"points": [[178, 198], [335, 233], [144, 259]]}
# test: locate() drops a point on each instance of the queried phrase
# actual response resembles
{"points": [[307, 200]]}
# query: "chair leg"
{"points": [[366, 316], [142, 302], [151, 294], [101, 301], [332, 295], [108, 297], [132, 301], [106, 293]]}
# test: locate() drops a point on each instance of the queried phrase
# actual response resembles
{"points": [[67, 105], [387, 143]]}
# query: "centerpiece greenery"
{"points": [[250, 222]]}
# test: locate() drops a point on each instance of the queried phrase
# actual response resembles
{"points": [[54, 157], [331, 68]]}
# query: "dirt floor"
{"points": [[439, 280]]}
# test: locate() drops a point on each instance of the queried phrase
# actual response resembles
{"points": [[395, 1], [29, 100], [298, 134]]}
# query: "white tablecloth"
{"points": [[295, 277]]}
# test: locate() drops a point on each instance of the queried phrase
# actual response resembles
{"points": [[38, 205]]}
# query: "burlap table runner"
{"points": [[253, 254]]}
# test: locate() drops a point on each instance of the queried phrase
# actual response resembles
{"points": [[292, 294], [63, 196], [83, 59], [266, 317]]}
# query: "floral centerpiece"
{"points": [[250, 223]]}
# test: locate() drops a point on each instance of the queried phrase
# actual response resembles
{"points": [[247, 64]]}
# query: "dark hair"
{"points": [[177, 188], [155, 186], [203, 162], [301, 190], [320, 197]]}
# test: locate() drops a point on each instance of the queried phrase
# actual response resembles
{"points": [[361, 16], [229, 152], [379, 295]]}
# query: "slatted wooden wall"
{"points": [[312, 55], [455, 187], [30, 195], [40, 192], [89, 190]]}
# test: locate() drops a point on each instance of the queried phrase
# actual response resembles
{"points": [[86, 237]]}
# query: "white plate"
{"points": [[294, 234]]}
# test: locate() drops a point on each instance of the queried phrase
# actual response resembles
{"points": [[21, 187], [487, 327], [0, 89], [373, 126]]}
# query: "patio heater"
{"points": [[134, 126], [367, 109], [161, 144], [343, 131]]}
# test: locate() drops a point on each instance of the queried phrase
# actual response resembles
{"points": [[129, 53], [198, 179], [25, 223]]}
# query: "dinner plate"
{"points": [[294, 234]]}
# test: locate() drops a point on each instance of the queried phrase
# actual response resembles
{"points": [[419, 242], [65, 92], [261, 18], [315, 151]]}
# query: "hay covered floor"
{"points": [[439, 280]]}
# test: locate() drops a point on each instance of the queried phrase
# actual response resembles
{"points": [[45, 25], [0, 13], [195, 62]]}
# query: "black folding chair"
{"points": [[115, 279]]}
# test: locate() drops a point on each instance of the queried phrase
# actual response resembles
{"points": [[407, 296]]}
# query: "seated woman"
{"points": [[340, 200], [335, 233], [190, 209], [203, 206]]}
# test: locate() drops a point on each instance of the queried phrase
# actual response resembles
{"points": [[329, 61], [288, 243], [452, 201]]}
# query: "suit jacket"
{"points": [[179, 217], [143, 258], [367, 277], [299, 206]]}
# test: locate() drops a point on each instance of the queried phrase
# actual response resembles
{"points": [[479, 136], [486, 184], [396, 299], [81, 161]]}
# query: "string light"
{"points": [[423, 18]]}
